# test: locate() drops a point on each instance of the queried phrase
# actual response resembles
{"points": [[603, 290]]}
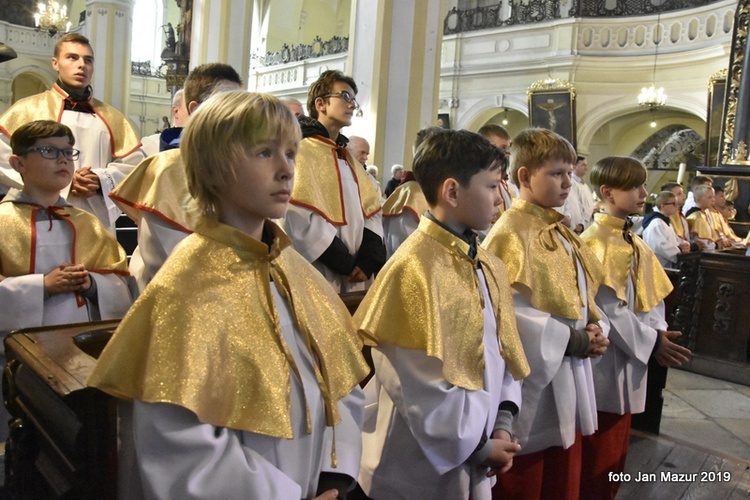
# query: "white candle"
{"points": [[681, 172]]}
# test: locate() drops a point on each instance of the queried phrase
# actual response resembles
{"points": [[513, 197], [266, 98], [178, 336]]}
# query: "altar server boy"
{"points": [[658, 232], [632, 296], [447, 356], [242, 363], [58, 264], [554, 278]]}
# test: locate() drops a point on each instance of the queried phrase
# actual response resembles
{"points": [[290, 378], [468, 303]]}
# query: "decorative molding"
{"points": [[551, 84], [724, 307], [301, 52]]}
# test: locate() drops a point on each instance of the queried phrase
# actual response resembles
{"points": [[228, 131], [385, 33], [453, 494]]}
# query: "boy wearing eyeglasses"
{"points": [[334, 218], [658, 232], [58, 264]]}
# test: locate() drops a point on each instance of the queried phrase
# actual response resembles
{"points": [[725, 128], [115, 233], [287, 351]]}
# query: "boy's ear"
{"points": [[192, 106], [524, 176], [320, 105], [17, 163], [449, 191], [606, 192]]}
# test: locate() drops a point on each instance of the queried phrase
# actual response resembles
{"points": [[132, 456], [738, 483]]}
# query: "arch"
{"points": [[590, 122], [481, 111], [29, 81]]}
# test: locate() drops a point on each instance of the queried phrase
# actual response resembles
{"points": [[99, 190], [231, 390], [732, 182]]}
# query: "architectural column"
{"points": [[221, 32], [394, 56], [109, 27]]}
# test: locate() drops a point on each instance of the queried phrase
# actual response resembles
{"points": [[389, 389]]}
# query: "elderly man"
{"points": [[397, 171]]}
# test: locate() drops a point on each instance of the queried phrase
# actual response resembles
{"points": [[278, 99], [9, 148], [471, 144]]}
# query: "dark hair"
{"points": [[202, 80], [71, 38], [718, 189], [324, 85], [424, 133], [493, 129], [618, 172], [457, 154], [699, 180], [27, 135], [580, 158], [669, 186]]}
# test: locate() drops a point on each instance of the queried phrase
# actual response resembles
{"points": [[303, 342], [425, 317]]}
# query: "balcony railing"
{"points": [[295, 53], [515, 12]]}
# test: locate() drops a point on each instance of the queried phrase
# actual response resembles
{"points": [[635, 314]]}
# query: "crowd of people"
{"points": [[510, 317]]}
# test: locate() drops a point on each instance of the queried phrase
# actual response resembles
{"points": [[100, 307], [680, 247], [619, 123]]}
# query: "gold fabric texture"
{"points": [[675, 220], [700, 227], [526, 239], [159, 185], [205, 334], [48, 105], [92, 245], [408, 196], [317, 185], [428, 297], [607, 238]]}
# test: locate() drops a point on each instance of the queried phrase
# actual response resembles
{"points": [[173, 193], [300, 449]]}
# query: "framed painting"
{"points": [[552, 106]]}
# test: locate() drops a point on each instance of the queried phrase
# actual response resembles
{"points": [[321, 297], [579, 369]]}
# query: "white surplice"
{"points": [[180, 457], [397, 228], [662, 239], [427, 428]]}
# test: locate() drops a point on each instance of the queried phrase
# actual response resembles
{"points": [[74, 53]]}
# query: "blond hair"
{"points": [[664, 197], [532, 147], [219, 136], [700, 191]]}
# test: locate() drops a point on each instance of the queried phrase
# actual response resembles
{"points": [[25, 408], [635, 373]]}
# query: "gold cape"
{"points": [[675, 221], [700, 227], [606, 238], [428, 297], [407, 196], [92, 245], [317, 185], [49, 105], [205, 334], [524, 239], [159, 185]]}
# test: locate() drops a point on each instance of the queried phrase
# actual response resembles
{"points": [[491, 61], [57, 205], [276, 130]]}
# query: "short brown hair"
{"points": [[71, 38], [664, 197], [532, 147], [618, 172], [27, 135], [457, 154], [491, 129], [700, 180], [202, 81], [669, 186], [220, 134], [324, 85]]}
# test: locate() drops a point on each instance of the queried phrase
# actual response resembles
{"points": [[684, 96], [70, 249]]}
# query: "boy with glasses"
{"points": [[334, 218], [658, 232], [58, 264]]}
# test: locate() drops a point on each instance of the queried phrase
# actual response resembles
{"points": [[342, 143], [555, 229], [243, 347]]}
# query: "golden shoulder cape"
{"points": [[428, 297], [205, 334], [158, 185], [700, 227], [317, 185], [92, 245], [407, 196], [607, 238], [524, 239], [676, 223], [49, 105]]}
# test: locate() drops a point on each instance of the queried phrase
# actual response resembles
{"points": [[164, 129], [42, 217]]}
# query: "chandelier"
{"points": [[652, 97], [51, 17]]}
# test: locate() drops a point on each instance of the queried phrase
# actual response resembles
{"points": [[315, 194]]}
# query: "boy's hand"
{"points": [[357, 275], [85, 183], [328, 495], [597, 341], [67, 278], [684, 247], [669, 353], [503, 451]]}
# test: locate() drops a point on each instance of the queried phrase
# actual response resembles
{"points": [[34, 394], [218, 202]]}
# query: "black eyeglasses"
{"points": [[670, 203], [346, 96], [53, 153]]}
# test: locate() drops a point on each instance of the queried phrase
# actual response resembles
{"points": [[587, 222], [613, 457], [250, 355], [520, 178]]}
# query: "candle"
{"points": [[681, 172]]}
